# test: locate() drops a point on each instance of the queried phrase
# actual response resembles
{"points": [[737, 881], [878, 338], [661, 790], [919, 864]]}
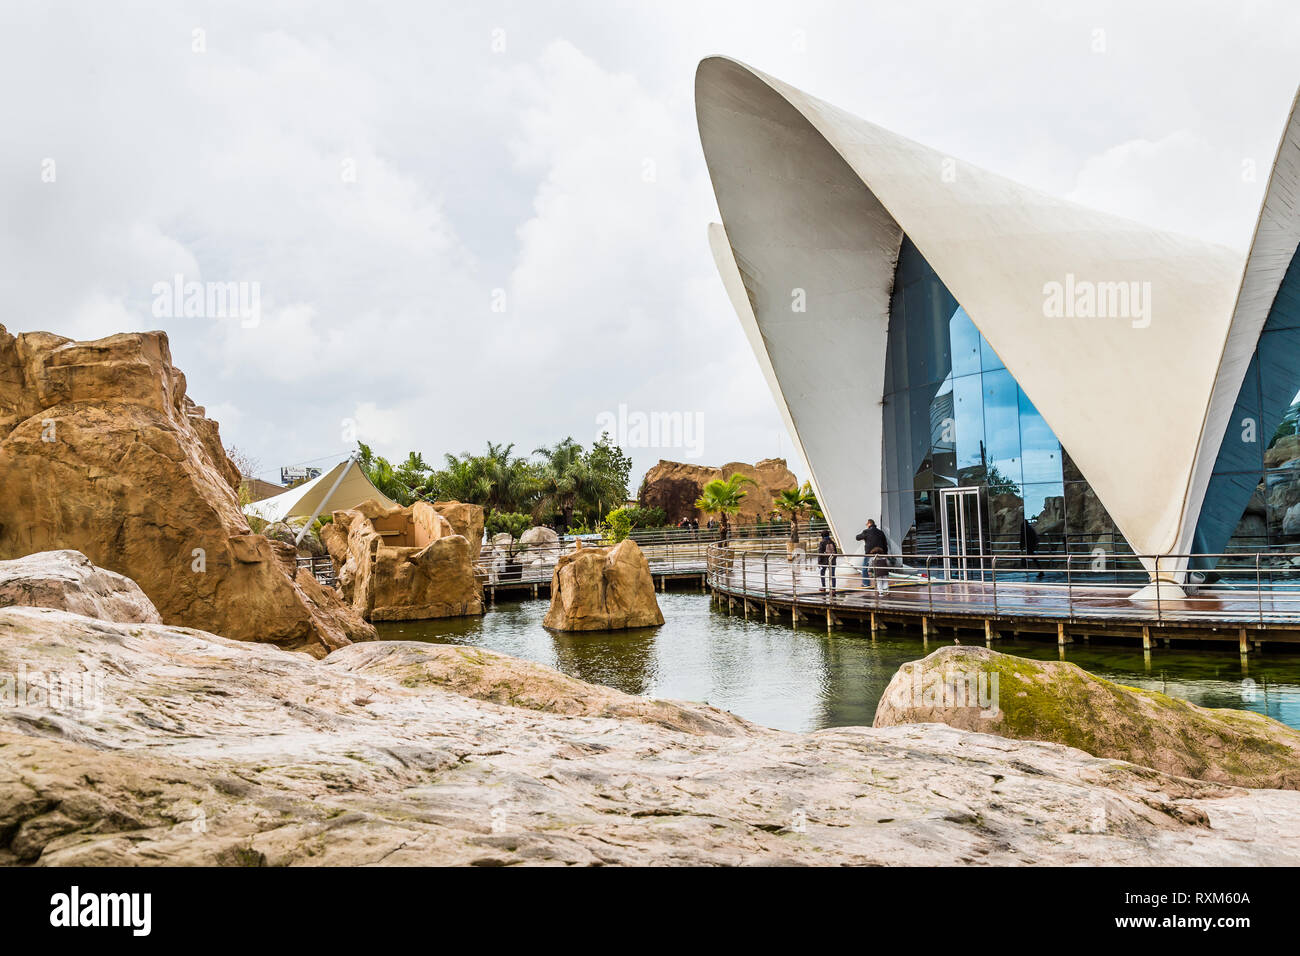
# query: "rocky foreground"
{"points": [[194, 749]]}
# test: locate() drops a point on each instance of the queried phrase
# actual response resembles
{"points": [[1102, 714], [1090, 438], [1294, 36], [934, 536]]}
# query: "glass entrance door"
{"points": [[962, 522]]}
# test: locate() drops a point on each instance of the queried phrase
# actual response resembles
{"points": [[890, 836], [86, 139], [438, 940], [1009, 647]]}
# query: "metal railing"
{"points": [[321, 568], [668, 551], [1256, 589]]}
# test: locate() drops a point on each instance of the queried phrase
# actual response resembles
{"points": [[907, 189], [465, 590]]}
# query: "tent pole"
{"points": [[328, 495]]}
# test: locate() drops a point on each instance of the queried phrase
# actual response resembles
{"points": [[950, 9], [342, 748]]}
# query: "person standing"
{"points": [[826, 552], [871, 538]]}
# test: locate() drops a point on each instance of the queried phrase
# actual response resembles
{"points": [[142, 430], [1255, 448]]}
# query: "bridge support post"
{"points": [[925, 630], [1242, 644], [1061, 637], [830, 621], [873, 625], [765, 612], [988, 633], [1146, 637]]}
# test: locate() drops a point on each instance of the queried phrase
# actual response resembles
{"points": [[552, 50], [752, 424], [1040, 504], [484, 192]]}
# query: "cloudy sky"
{"points": [[486, 220]]}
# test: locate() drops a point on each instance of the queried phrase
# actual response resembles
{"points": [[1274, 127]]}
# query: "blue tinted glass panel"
{"points": [[968, 428], [965, 344], [1002, 425], [1040, 451]]}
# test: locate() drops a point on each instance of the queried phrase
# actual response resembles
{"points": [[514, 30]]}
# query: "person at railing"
{"points": [[871, 538], [879, 565], [826, 552]]}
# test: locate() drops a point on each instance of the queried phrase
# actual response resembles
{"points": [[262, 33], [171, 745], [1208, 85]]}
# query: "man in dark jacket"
{"points": [[871, 538], [826, 552]]}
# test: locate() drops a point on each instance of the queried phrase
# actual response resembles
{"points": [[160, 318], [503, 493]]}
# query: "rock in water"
{"points": [[402, 564], [974, 688], [603, 589], [67, 581], [102, 451]]}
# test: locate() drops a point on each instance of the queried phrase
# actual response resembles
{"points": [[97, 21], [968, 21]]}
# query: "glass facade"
{"points": [[955, 417], [1253, 499]]}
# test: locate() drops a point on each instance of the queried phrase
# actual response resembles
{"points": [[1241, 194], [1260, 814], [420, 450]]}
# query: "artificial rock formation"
{"points": [[67, 581], [404, 753], [1060, 702], [466, 521], [674, 486], [102, 451], [401, 564], [603, 589]]}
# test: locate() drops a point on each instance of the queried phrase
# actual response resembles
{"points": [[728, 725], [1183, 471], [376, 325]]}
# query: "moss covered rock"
{"points": [[974, 688]]}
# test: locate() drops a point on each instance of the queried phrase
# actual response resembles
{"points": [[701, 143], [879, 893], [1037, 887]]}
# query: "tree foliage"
{"points": [[722, 496], [563, 484]]}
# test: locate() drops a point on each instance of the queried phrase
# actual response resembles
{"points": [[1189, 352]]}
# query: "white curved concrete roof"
{"points": [[816, 199], [1277, 234]]}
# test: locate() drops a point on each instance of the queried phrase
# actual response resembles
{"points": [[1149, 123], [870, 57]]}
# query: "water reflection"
{"points": [[809, 679]]}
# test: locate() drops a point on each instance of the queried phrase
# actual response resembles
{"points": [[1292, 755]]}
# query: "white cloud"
{"points": [[379, 174]]}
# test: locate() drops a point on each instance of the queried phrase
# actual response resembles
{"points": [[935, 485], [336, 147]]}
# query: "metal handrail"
{"points": [[1234, 591]]}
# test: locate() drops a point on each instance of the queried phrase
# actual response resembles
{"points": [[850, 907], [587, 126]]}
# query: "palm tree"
{"points": [[723, 497], [567, 480], [793, 503]]}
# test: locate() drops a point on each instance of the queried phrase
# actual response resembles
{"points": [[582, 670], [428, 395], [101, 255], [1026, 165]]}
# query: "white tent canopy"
{"points": [[304, 500]]}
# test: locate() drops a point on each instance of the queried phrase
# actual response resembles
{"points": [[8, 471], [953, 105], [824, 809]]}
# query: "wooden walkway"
{"points": [[1067, 612]]}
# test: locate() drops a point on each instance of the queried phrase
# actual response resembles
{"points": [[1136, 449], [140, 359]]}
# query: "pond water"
{"points": [[807, 679]]}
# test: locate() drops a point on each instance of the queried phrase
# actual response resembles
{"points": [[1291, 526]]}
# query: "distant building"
{"points": [[292, 474], [255, 489]]}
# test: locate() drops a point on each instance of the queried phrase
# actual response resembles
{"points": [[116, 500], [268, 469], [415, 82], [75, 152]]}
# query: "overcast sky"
{"points": [[486, 220]]}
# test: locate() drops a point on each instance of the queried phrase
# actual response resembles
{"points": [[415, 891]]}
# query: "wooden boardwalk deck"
{"points": [[1068, 612]]}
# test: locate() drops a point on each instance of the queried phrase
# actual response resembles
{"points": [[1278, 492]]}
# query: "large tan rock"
{"points": [[401, 564], [603, 589], [674, 486], [466, 520], [412, 754], [101, 451], [67, 580], [1060, 702]]}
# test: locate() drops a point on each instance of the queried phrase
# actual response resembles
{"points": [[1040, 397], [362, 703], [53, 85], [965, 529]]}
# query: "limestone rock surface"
{"points": [[197, 750], [67, 581]]}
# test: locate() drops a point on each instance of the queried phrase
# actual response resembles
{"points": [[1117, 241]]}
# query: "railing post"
{"points": [[744, 586], [1069, 584], [1259, 589], [1157, 567], [765, 557], [929, 582], [993, 569]]}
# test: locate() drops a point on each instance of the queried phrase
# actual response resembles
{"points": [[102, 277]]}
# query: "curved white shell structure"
{"points": [[815, 206]]}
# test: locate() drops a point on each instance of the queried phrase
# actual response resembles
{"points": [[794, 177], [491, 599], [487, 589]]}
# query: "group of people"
{"points": [[875, 560]]}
